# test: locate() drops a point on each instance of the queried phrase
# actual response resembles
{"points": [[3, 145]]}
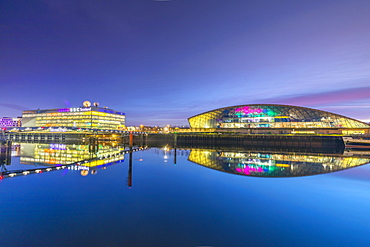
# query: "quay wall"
{"points": [[294, 142], [197, 140]]}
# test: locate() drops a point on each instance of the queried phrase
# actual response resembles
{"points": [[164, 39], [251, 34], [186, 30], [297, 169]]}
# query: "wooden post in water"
{"points": [[5, 152], [175, 145], [129, 179], [145, 136], [8, 154], [131, 140], [141, 139]]}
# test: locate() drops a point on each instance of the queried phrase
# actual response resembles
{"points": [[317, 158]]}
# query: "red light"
{"points": [[1, 177]]}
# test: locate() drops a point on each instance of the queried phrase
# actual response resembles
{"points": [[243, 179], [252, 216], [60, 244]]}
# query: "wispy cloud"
{"points": [[13, 106], [343, 96]]}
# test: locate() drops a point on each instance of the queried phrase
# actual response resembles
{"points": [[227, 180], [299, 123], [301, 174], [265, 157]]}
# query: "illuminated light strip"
{"points": [[247, 170], [252, 118], [303, 132], [248, 110], [282, 117], [282, 165]]}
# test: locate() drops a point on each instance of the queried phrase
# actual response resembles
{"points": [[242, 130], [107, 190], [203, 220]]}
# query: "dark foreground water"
{"points": [[184, 204]]}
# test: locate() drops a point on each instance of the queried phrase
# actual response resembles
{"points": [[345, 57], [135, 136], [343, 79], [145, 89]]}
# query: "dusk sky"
{"points": [[161, 61]]}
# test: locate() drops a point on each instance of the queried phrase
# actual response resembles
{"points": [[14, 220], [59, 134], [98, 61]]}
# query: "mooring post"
{"points": [[129, 179], [145, 136], [175, 148], [131, 140], [8, 153], [142, 139], [175, 156]]}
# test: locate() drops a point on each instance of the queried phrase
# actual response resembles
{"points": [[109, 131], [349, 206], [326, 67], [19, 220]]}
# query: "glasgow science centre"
{"points": [[276, 119]]}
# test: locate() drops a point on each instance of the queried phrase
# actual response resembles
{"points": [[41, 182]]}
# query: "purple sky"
{"points": [[161, 62]]}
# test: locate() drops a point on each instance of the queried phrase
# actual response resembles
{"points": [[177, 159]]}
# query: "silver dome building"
{"points": [[273, 117]]}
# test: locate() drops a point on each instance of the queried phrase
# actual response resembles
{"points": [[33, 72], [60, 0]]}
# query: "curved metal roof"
{"points": [[298, 112]]}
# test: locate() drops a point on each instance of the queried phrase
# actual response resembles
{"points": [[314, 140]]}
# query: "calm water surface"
{"points": [[184, 204]]}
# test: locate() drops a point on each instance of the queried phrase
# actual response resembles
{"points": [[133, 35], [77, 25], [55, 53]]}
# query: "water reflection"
{"points": [[86, 158], [60, 153], [276, 164]]}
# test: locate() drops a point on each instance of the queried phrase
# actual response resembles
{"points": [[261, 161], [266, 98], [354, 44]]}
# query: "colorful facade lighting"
{"points": [[271, 116], [93, 117]]}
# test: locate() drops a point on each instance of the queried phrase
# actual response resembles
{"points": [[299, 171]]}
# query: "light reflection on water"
{"points": [[275, 164], [173, 200]]}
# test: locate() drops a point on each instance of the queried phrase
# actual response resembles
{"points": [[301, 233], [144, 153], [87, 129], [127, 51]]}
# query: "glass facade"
{"points": [[272, 116], [10, 122], [83, 117]]}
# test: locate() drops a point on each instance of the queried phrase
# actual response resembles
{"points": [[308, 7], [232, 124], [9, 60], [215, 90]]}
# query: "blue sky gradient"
{"points": [[161, 62]]}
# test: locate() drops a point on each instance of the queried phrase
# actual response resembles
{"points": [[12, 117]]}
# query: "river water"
{"points": [[163, 197]]}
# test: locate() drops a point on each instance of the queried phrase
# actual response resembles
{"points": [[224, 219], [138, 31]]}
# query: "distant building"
{"points": [[10, 122], [86, 116], [269, 118]]}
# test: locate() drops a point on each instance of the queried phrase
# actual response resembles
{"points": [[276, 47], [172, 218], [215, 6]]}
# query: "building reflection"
{"points": [[85, 158], [275, 164], [76, 157], [88, 158], [60, 153]]}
